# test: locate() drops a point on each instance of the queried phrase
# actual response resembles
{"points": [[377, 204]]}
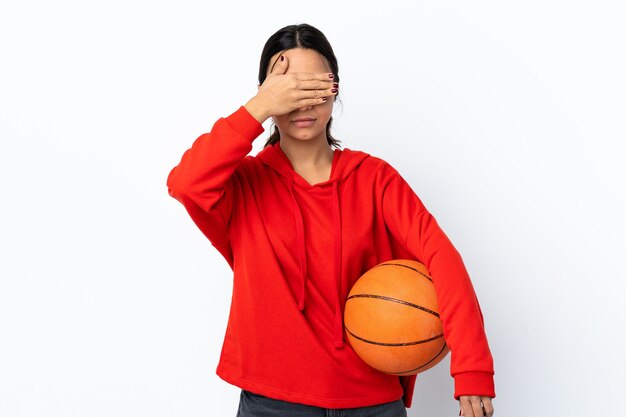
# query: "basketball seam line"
{"points": [[408, 267], [394, 344], [420, 367], [394, 300]]}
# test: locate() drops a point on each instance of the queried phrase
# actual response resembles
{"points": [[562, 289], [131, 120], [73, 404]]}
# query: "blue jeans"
{"points": [[254, 405]]}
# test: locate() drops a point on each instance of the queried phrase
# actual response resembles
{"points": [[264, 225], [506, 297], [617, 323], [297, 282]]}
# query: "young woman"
{"points": [[299, 224]]}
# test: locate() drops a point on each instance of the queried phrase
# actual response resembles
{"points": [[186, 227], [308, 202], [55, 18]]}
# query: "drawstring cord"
{"points": [[301, 243], [337, 230], [338, 317]]}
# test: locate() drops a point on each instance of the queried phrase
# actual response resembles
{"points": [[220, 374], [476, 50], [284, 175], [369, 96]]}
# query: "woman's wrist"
{"points": [[256, 110]]}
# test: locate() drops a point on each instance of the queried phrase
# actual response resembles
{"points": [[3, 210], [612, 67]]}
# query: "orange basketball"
{"points": [[392, 319]]}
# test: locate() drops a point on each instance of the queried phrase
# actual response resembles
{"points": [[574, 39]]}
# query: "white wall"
{"points": [[505, 117]]}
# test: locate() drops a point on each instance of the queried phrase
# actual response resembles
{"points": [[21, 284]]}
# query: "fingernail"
{"points": [[282, 58], [334, 90], [331, 76], [335, 85], [325, 99]]}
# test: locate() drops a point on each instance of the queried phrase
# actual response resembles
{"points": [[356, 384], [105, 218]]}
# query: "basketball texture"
{"points": [[392, 319]]}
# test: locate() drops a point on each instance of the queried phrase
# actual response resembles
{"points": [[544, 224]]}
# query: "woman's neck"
{"points": [[307, 155]]}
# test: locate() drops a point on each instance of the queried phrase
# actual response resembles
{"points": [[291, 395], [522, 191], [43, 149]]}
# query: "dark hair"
{"points": [[298, 36]]}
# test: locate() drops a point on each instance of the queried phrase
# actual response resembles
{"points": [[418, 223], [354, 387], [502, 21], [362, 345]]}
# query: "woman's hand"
{"points": [[283, 93], [475, 406]]}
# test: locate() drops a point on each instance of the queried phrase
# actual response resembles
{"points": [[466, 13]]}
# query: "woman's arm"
{"points": [[410, 223], [203, 179]]}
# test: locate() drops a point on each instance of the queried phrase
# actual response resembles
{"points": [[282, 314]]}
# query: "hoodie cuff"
{"points": [[243, 123], [474, 383]]}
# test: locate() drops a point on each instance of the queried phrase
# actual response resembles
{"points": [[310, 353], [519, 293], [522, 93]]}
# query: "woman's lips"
{"points": [[303, 122]]}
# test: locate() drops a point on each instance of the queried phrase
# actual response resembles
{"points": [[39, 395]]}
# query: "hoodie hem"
{"points": [[305, 399]]}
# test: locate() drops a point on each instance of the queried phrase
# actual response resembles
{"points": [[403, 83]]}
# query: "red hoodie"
{"points": [[296, 250]]}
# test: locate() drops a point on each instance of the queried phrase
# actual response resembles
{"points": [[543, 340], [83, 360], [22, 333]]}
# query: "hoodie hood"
{"points": [[344, 163]]}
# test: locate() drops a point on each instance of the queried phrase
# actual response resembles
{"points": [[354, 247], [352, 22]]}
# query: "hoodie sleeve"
{"points": [[203, 179], [412, 225]]}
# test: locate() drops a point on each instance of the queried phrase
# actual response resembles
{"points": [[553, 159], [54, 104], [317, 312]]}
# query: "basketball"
{"points": [[391, 319]]}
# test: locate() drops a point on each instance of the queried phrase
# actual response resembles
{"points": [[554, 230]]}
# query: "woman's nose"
{"points": [[305, 108]]}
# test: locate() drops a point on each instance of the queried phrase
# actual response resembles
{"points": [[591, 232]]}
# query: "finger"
{"points": [[307, 76], [308, 102], [488, 406], [466, 407], [314, 94], [477, 407], [317, 85], [280, 65]]}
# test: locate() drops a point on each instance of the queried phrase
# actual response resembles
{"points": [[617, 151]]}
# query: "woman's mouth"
{"points": [[304, 121]]}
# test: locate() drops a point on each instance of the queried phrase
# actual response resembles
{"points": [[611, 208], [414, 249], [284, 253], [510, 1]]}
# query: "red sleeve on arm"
{"points": [[203, 180], [410, 223]]}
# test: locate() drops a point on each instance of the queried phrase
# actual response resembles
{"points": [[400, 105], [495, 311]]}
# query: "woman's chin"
{"points": [[306, 136]]}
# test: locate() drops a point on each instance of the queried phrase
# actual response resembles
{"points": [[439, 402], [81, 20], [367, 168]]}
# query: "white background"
{"points": [[505, 117]]}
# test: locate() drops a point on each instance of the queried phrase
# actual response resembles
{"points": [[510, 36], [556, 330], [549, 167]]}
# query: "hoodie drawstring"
{"points": [[338, 276], [301, 243], [338, 318]]}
